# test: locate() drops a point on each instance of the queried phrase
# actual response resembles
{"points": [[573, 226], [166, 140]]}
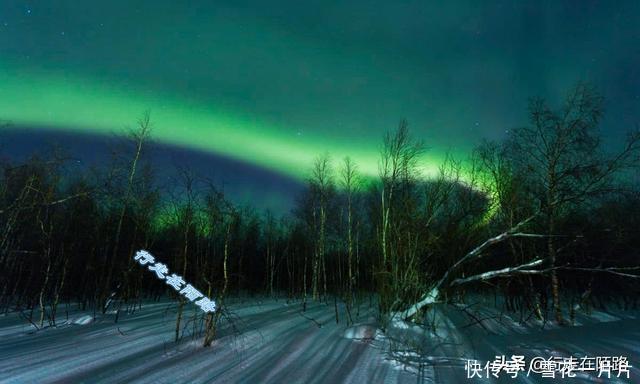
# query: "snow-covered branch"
{"points": [[500, 272], [427, 299]]}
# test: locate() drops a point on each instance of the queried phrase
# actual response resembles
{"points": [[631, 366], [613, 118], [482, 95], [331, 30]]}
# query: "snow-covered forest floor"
{"points": [[271, 341]]}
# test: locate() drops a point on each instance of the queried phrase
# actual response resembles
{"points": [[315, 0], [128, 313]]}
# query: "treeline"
{"points": [[547, 218]]}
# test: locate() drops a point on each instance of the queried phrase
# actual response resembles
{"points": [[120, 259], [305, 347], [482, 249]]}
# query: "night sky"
{"points": [[258, 89]]}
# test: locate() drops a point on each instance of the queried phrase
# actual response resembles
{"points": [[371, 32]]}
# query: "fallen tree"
{"points": [[475, 254], [448, 280]]}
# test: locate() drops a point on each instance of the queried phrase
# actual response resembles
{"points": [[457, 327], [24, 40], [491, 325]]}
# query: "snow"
{"points": [[83, 320], [277, 344], [273, 342], [361, 332]]}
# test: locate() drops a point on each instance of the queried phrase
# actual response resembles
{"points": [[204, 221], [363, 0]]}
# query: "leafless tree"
{"points": [[560, 154], [322, 186], [139, 137], [398, 171], [350, 183]]}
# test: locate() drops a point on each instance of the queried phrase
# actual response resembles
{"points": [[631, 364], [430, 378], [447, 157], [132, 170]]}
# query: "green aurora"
{"points": [[277, 84], [81, 105]]}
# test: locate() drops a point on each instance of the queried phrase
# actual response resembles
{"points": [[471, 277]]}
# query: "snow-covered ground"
{"points": [[271, 341]]}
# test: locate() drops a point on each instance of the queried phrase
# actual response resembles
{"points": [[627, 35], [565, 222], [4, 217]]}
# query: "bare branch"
{"points": [[498, 273]]}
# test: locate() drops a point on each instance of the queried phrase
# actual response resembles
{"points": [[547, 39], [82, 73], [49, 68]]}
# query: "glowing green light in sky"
{"points": [[89, 106]]}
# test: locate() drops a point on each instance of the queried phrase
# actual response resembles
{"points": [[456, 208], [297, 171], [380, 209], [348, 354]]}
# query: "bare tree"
{"points": [[350, 182], [139, 137], [270, 233], [322, 186], [561, 155], [185, 210], [398, 170]]}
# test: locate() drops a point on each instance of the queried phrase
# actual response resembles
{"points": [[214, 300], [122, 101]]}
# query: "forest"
{"points": [[545, 220]]}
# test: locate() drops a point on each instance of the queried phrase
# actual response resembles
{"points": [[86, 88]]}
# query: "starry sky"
{"points": [[255, 90]]}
